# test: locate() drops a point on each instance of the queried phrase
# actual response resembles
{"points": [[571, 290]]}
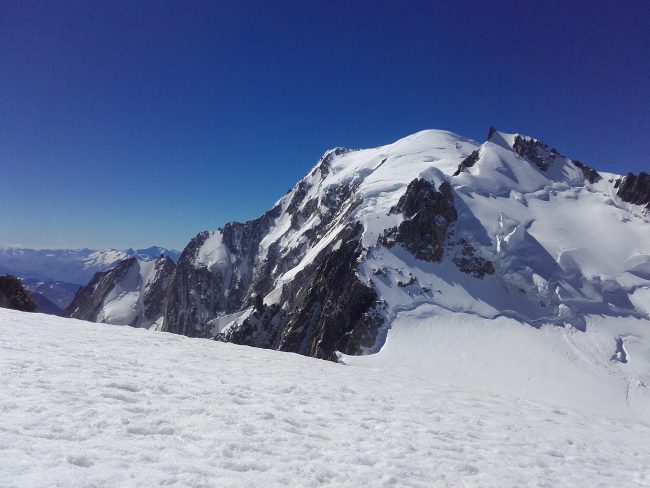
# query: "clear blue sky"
{"points": [[143, 122]]}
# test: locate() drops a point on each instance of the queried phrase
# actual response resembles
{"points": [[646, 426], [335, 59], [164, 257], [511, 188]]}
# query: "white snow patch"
{"points": [[91, 405]]}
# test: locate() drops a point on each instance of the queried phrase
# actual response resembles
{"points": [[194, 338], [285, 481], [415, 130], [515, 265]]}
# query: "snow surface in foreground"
{"points": [[85, 404]]}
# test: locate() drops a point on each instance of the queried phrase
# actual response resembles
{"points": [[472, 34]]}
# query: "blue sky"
{"points": [[128, 124]]}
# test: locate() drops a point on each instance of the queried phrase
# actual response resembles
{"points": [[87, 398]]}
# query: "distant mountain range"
{"points": [[57, 274]]}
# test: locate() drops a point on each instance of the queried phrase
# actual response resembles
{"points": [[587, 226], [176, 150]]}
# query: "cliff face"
{"points": [[14, 296], [89, 299], [131, 293], [635, 189], [217, 274]]}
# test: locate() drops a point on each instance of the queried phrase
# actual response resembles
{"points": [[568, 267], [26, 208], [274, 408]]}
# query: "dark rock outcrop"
{"points": [[14, 296], [260, 329], [469, 262], [325, 162], [530, 149], [333, 311], [153, 297], [198, 294], [589, 173], [428, 214], [325, 308], [635, 189], [468, 162]]}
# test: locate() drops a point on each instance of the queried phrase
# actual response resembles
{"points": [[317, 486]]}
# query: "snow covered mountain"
{"points": [[379, 250], [58, 273], [71, 265], [509, 227], [131, 293]]}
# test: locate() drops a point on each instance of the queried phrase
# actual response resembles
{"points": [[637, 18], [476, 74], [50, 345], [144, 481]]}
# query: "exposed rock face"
{"points": [[199, 292], [135, 289], [530, 149], [543, 157], [325, 161], [89, 299], [590, 174], [260, 329], [429, 215], [635, 189], [326, 308], [155, 292], [469, 262], [333, 310], [469, 161], [14, 296]]}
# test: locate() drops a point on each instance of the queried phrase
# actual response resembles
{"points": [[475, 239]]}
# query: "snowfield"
{"points": [[85, 404]]}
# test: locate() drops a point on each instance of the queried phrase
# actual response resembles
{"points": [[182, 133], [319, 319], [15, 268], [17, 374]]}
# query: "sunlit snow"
{"points": [[91, 405]]}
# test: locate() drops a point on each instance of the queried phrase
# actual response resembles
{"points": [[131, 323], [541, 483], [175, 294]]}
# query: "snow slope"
{"points": [[86, 405], [131, 293], [558, 365], [123, 304]]}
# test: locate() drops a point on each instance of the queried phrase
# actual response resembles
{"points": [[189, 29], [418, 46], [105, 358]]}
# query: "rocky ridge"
{"points": [[14, 296], [432, 218], [132, 293]]}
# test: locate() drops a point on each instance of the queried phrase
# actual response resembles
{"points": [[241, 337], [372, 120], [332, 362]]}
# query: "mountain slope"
{"points": [[509, 227], [45, 305], [90, 405], [60, 293], [132, 293], [379, 250]]}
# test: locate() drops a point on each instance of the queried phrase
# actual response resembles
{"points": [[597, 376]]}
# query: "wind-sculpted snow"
{"points": [[90, 405]]}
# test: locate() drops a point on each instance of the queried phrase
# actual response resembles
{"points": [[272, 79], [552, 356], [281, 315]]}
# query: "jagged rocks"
{"points": [[590, 174], [469, 161], [469, 262], [333, 310], [153, 297], [90, 298], [635, 189], [529, 148], [199, 292], [260, 329], [410, 281], [14, 296], [429, 215], [325, 161]]}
